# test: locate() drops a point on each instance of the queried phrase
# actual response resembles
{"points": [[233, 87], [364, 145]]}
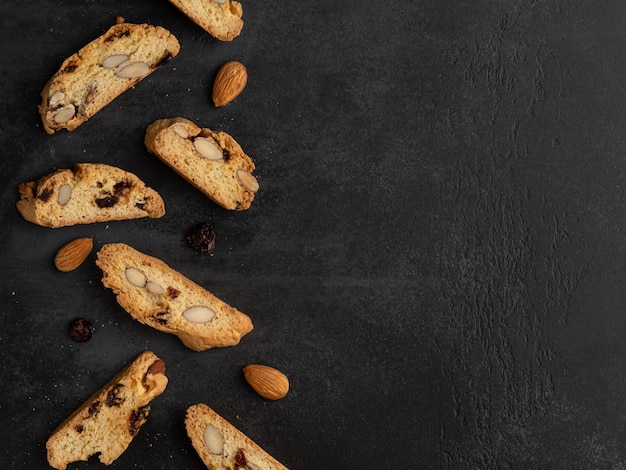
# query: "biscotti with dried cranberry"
{"points": [[158, 296], [220, 18], [108, 421], [221, 445], [212, 162], [87, 193], [102, 70]]}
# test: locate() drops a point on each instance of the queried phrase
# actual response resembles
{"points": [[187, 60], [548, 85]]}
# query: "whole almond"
{"points": [[230, 81], [72, 254], [268, 382]]}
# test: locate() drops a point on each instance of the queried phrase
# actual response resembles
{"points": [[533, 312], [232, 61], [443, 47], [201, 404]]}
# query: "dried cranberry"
{"points": [[159, 317], [94, 408], [137, 418], [120, 187], [113, 399], [202, 238], [70, 68], [45, 194], [81, 329], [117, 34], [240, 459], [172, 292], [107, 201]]}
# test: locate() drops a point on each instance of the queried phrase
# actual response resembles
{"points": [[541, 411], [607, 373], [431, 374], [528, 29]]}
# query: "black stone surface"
{"points": [[435, 257]]}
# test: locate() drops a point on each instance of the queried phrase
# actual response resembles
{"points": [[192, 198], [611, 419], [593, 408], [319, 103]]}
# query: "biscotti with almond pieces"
{"points": [[158, 296], [221, 445], [102, 70], [108, 421], [212, 162], [87, 193], [220, 18]]}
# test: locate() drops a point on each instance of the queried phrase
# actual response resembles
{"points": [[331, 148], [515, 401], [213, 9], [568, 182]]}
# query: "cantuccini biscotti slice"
{"points": [[108, 421], [213, 162], [102, 70], [221, 445], [158, 296], [220, 18], [87, 193]]}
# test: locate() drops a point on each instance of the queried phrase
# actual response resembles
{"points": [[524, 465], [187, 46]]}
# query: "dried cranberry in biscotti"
{"points": [[107, 201]]}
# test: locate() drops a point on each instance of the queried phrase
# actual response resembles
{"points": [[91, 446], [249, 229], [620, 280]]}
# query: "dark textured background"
{"points": [[435, 257]]}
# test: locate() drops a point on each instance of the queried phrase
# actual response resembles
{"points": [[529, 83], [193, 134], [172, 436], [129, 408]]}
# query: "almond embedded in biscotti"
{"points": [[229, 83], [114, 60], [65, 193], [208, 148], [133, 70], [72, 254], [268, 382], [56, 98], [199, 314], [135, 277], [155, 288], [64, 114], [180, 130], [157, 367], [213, 439], [248, 180]]}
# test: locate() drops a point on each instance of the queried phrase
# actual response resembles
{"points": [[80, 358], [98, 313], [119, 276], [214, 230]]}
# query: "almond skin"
{"points": [[268, 382], [230, 81], [72, 254]]}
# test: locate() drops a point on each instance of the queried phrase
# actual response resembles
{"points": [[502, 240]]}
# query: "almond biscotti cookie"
{"points": [[87, 193], [222, 446], [213, 162], [108, 421], [102, 70], [220, 18], [158, 296]]}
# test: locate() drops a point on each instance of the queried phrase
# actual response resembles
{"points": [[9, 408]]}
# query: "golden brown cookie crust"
{"points": [[173, 141], [107, 422], [161, 298], [102, 70], [95, 192], [237, 449], [221, 20]]}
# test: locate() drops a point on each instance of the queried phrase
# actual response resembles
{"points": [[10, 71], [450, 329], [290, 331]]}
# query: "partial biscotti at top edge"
{"points": [[87, 193], [107, 422], [221, 19], [102, 70], [213, 162], [158, 296], [221, 445]]}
